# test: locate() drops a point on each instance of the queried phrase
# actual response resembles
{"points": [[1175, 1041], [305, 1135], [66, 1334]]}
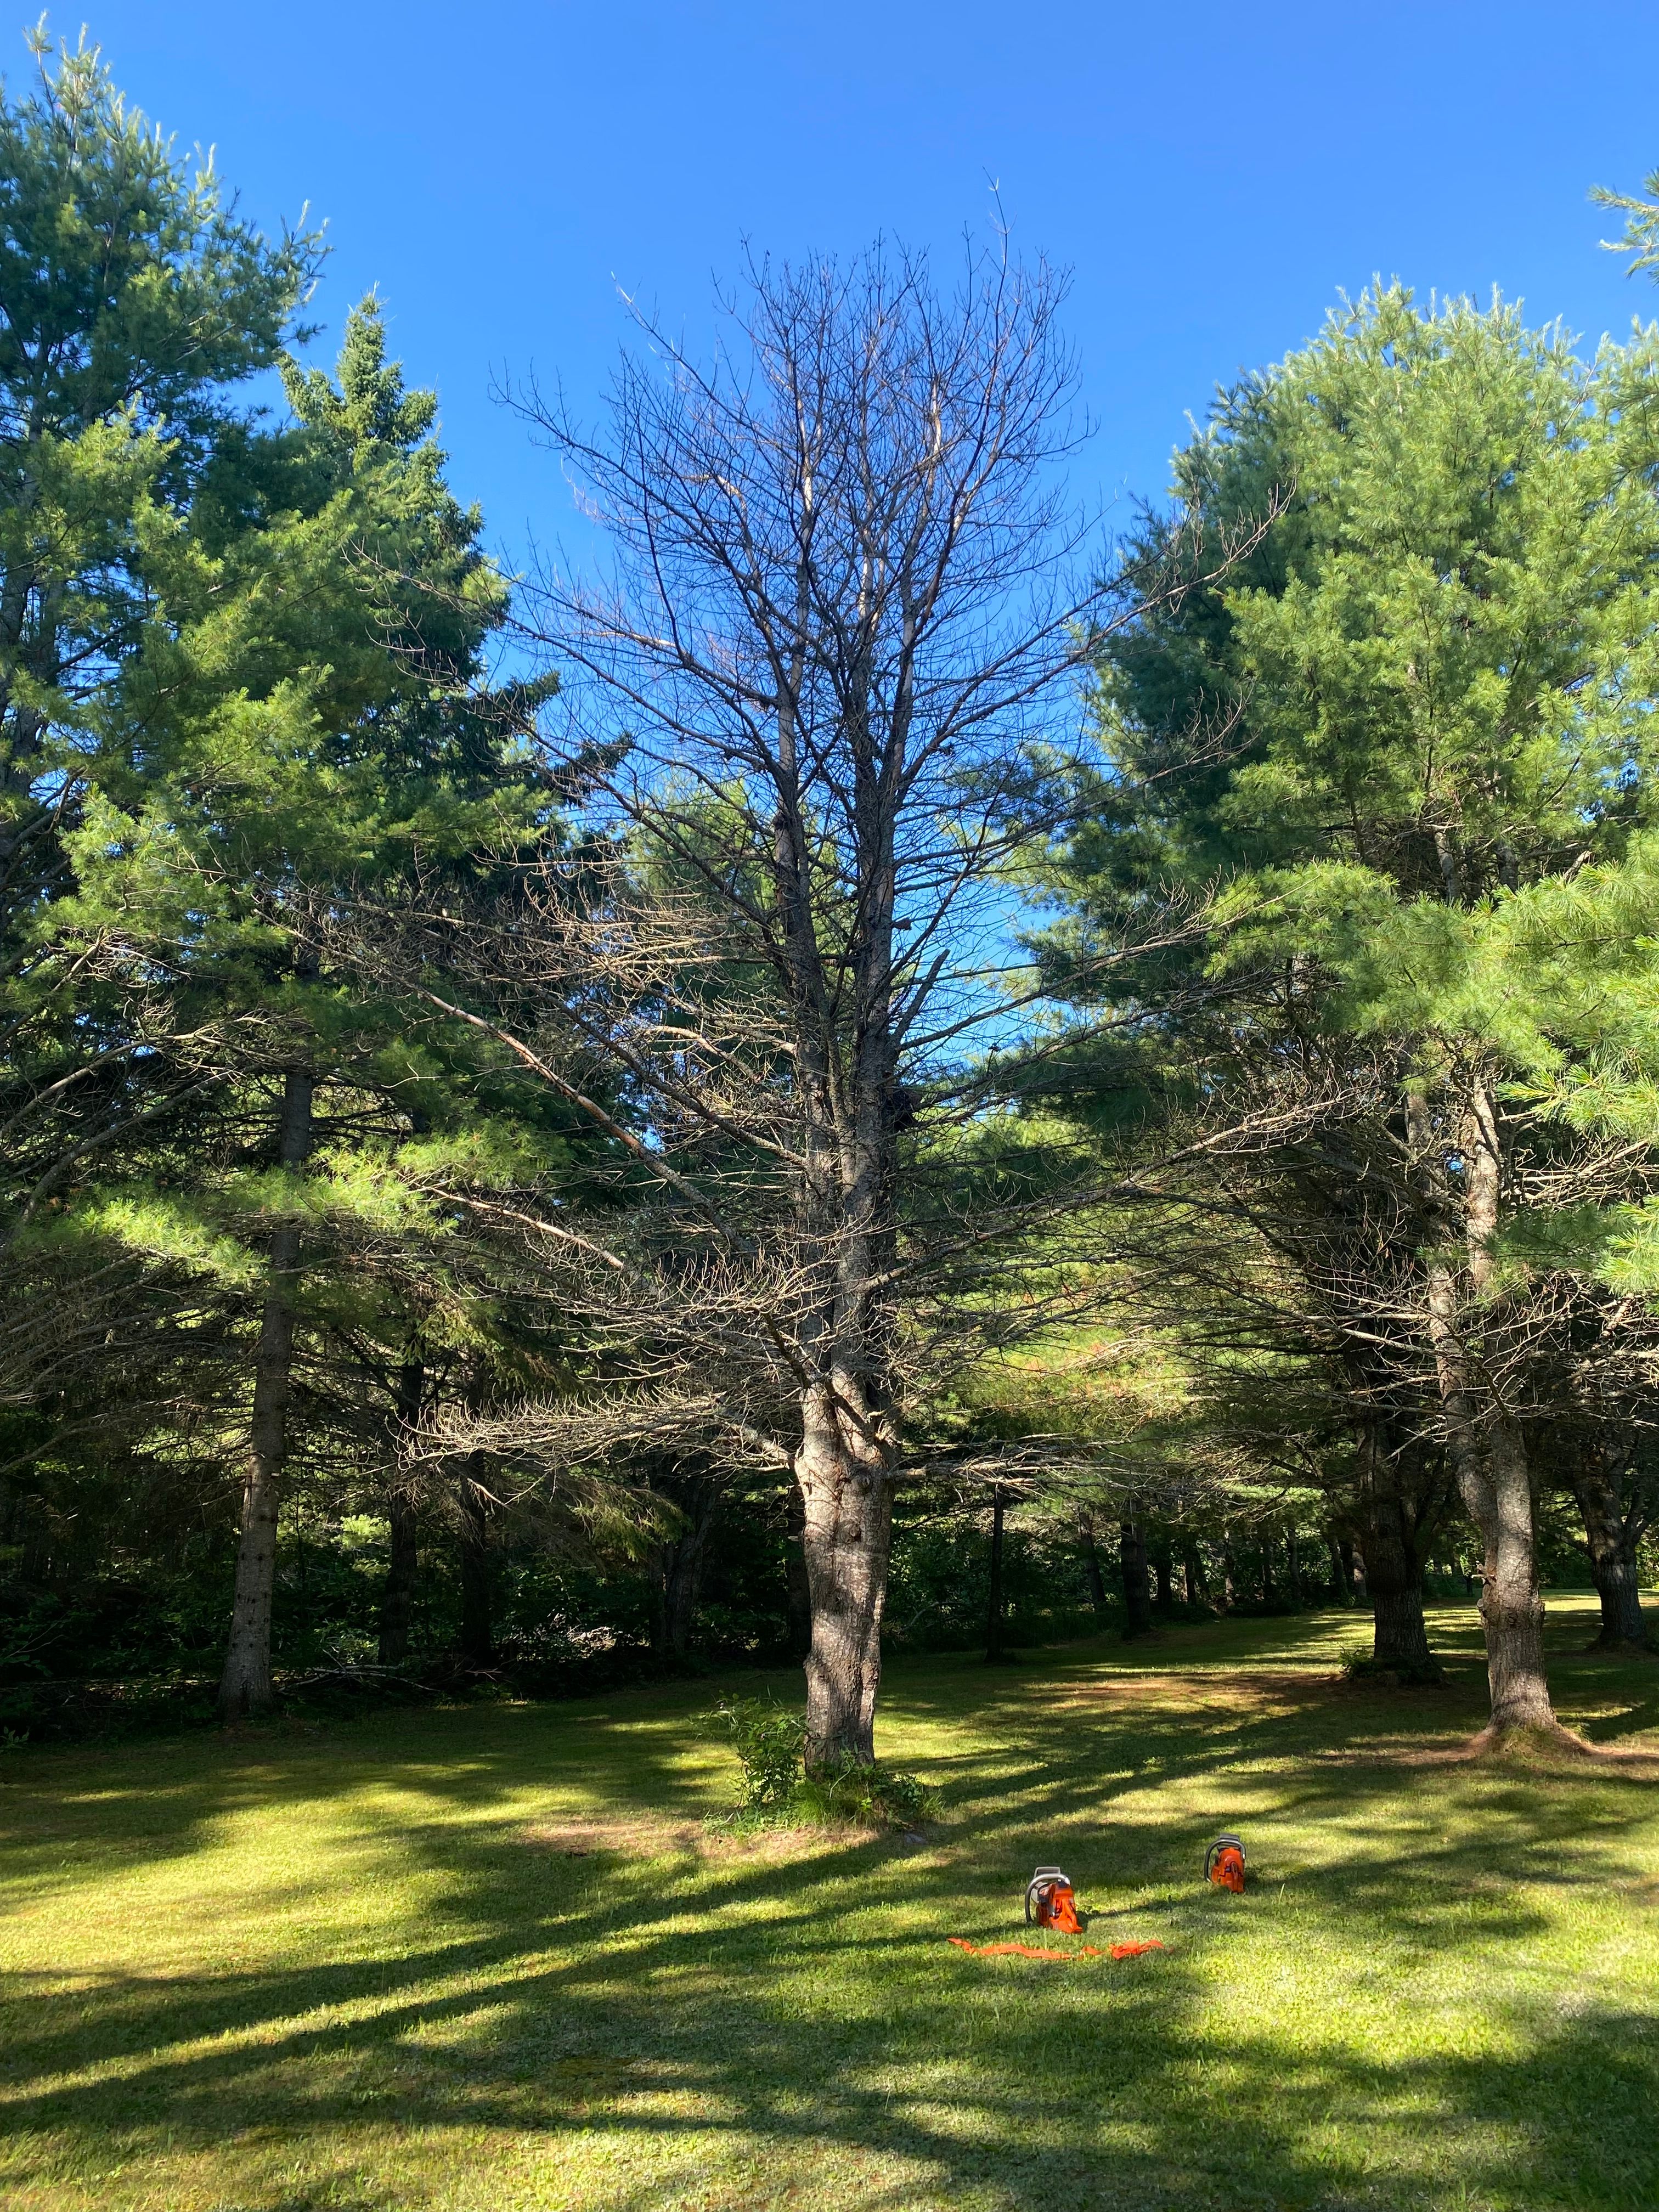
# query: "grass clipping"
{"points": [[778, 1791]]}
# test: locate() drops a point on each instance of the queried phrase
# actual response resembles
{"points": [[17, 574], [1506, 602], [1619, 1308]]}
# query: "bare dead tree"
{"points": [[817, 704]]}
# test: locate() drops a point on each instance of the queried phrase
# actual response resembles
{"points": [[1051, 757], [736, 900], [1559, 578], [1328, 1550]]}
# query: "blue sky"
{"points": [[1212, 175]]}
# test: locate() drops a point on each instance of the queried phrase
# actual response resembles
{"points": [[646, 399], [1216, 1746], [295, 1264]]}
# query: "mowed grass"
{"points": [[491, 1959]]}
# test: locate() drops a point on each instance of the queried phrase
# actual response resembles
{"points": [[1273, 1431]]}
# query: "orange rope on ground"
{"points": [[1030, 1951]]}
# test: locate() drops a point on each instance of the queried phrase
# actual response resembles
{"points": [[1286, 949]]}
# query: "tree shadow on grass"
{"points": [[1092, 2087], [685, 2006]]}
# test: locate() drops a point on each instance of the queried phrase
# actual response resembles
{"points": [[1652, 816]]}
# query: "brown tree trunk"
{"points": [[1340, 1588], [398, 1599], [1489, 1458], [679, 1570], [1353, 1572], [847, 1497], [1611, 1541], [1393, 1573], [1131, 1558], [245, 1686]]}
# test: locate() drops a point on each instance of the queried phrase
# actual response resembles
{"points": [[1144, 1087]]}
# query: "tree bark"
{"points": [[846, 1483], [1132, 1557], [993, 1609], [797, 1596], [1489, 1458], [245, 1687], [679, 1569], [1610, 1535], [398, 1599], [1394, 1571], [1353, 1569]]}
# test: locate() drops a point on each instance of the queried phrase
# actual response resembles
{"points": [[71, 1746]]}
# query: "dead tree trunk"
{"points": [[798, 1596], [245, 1686], [398, 1599], [847, 1496]]}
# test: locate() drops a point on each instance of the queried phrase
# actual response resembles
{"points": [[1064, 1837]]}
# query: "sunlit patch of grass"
{"points": [[498, 1958]]}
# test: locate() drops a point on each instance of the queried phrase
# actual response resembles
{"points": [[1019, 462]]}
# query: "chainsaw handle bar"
{"points": [[1045, 1878]]}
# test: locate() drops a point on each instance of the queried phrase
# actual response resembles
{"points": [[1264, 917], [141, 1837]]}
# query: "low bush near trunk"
{"points": [[777, 1790]]}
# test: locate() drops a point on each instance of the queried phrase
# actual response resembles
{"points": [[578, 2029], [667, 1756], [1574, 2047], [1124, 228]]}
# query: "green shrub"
{"points": [[770, 1744], [848, 1795]]}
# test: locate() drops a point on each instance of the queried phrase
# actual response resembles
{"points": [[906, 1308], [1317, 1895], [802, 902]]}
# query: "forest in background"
{"points": [[886, 1070]]}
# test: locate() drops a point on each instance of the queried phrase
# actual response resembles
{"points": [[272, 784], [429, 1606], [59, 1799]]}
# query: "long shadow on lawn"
{"points": [[947, 2071], [684, 2001]]}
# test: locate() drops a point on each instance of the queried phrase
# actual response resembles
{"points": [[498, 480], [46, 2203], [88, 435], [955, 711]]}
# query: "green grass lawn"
{"points": [[490, 1958]]}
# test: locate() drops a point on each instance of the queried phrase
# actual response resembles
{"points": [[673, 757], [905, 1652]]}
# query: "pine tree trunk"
{"points": [[1512, 1605], [679, 1573], [1612, 1547], [846, 1498], [245, 1686], [993, 1609], [1394, 1574], [1341, 1589], [1400, 1638], [1495, 1487], [398, 1599], [1353, 1572], [1490, 1460], [1132, 1557]]}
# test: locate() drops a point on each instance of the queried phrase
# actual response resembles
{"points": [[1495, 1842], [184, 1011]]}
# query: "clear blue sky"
{"points": [[1213, 174]]}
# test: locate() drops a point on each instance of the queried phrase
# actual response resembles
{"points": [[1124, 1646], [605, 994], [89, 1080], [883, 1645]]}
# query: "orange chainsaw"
{"points": [[1224, 1863], [1051, 1902]]}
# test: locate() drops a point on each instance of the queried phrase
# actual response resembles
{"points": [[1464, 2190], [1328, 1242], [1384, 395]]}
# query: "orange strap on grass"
{"points": [[1054, 1957]]}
